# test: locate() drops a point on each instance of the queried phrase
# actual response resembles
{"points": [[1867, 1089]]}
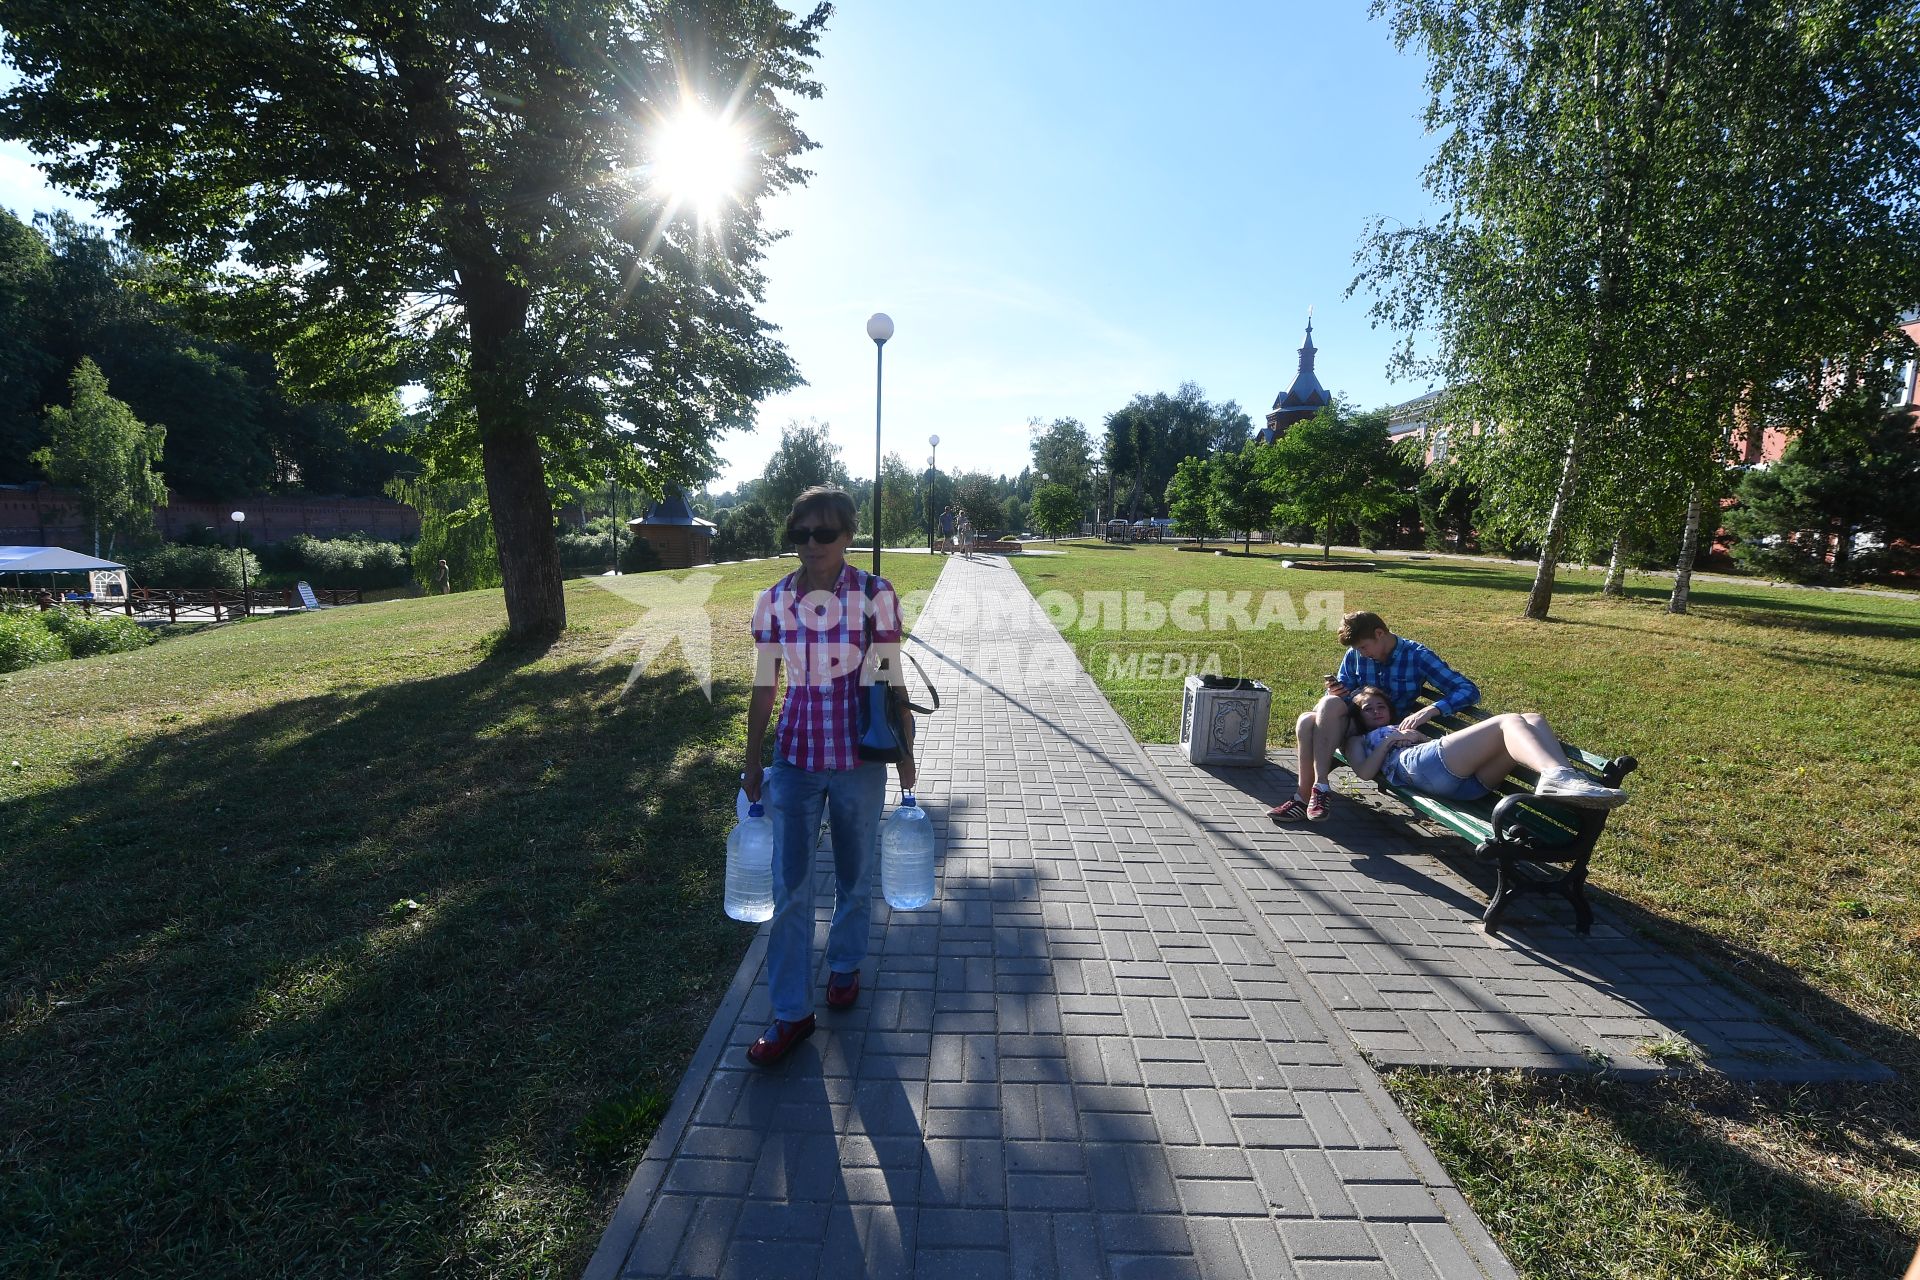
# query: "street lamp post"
{"points": [[933, 472], [879, 328], [240, 518]]}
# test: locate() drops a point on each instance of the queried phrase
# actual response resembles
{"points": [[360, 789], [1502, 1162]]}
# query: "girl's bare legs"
{"points": [[1489, 750], [1303, 761]]}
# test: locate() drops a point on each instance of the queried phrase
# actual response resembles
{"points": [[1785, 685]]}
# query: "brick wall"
{"points": [[40, 515]]}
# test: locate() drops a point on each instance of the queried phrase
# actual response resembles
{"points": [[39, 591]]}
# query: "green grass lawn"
{"points": [[355, 943], [1775, 829]]}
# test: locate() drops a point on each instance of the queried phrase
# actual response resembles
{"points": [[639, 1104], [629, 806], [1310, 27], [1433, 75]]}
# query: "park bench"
{"points": [[1515, 826]]}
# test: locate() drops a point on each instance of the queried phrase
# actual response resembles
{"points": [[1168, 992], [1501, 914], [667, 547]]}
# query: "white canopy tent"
{"points": [[50, 560]]}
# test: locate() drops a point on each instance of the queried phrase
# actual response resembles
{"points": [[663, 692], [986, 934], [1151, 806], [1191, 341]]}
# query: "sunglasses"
{"points": [[824, 534]]}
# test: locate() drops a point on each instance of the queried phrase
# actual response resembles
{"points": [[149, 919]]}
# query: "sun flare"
{"points": [[698, 159]]}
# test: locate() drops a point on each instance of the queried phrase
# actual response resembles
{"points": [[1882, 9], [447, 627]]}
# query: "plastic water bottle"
{"points": [[906, 857], [750, 868]]}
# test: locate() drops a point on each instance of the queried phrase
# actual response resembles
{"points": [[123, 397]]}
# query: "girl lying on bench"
{"points": [[1467, 763]]}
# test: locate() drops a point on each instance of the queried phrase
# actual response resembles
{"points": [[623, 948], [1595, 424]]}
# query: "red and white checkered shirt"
{"points": [[821, 638]]}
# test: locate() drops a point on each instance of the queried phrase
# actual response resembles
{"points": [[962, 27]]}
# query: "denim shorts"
{"points": [[1420, 768]]}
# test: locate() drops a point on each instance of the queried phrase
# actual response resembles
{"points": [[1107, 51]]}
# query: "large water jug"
{"points": [[906, 857], [750, 868]]}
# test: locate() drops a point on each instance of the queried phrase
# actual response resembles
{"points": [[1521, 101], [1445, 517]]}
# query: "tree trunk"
{"points": [[517, 494], [1540, 598], [1617, 566], [1689, 549]]}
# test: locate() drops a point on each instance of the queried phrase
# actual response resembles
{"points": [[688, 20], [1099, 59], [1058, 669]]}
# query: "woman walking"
{"points": [[827, 624]]}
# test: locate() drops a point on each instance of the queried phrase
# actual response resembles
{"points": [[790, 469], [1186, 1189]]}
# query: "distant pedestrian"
{"points": [[965, 527], [946, 529], [442, 579]]}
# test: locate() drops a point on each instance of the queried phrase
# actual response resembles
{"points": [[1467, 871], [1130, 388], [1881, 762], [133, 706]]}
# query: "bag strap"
{"points": [[867, 585]]}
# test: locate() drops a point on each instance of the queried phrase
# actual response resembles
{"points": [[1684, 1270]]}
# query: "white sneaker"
{"points": [[1569, 786]]}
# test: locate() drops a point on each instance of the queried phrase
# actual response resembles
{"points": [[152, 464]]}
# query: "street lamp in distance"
{"points": [[240, 518], [933, 470], [879, 328]]}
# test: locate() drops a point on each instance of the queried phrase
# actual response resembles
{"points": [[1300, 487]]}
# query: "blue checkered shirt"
{"points": [[1407, 669]]}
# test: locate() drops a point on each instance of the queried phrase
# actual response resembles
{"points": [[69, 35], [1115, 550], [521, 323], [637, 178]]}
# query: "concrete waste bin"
{"points": [[1224, 721]]}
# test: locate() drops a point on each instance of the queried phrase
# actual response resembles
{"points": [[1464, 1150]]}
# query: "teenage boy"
{"points": [[1376, 657]]}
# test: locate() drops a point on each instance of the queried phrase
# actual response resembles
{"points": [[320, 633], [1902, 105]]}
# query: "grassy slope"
{"points": [[226, 1050], [1775, 826]]}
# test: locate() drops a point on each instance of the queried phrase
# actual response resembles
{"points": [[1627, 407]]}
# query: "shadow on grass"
{"points": [[232, 1048]]}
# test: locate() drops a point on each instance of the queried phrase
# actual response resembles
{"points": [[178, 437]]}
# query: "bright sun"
{"points": [[698, 159]]}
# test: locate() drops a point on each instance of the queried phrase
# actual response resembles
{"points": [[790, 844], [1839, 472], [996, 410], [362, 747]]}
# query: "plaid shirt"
{"points": [[821, 636], [1410, 666]]}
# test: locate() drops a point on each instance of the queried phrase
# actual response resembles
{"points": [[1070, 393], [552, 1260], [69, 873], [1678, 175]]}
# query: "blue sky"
{"points": [[1062, 205]]}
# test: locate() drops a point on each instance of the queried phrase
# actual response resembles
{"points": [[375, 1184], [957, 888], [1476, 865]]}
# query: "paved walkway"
{"points": [[1127, 1040], [1093, 1059], [1390, 939]]}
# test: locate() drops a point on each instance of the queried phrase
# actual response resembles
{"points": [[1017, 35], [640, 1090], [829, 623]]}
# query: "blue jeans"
{"points": [[853, 798]]}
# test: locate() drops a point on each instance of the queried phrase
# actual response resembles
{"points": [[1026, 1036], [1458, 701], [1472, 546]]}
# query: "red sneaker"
{"points": [[779, 1038], [1288, 810], [843, 989], [1317, 806]]}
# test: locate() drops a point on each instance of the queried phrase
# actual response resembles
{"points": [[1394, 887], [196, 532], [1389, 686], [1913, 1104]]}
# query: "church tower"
{"points": [[1303, 399]]}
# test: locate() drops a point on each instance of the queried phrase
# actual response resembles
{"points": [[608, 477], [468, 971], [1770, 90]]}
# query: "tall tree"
{"points": [[1056, 510], [1335, 468], [455, 195], [98, 447], [1150, 436], [1643, 199], [1239, 495], [979, 494], [1189, 499], [806, 457], [1062, 454]]}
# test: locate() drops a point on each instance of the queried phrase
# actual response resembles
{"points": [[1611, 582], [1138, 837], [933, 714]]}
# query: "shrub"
{"points": [[639, 556], [192, 568], [747, 532], [86, 635], [25, 640], [585, 550], [352, 561]]}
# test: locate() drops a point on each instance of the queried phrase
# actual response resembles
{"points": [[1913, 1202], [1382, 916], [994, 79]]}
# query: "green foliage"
{"points": [[453, 527], [905, 521], [1854, 471], [353, 561], [1447, 498], [806, 457], [590, 550], [1238, 494], [1190, 499], [87, 634], [1649, 211], [1062, 454], [458, 197], [1148, 438], [979, 495], [639, 556], [747, 532], [1056, 510], [25, 640], [192, 568], [1333, 469], [98, 447]]}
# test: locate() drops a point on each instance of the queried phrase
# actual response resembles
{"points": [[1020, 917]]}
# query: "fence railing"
{"points": [[154, 603]]}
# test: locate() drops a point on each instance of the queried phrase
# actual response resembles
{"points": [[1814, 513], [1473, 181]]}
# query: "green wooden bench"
{"points": [[1514, 826]]}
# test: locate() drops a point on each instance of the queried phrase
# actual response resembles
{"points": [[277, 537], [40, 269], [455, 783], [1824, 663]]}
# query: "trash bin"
{"points": [[1224, 721]]}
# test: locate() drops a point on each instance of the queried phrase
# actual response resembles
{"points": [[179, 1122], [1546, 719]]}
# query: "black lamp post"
{"points": [[879, 328], [933, 472], [240, 518]]}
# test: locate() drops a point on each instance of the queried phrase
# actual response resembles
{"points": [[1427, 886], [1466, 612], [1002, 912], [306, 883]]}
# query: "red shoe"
{"points": [[1289, 810], [1317, 806], [779, 1038], [843, 989]]}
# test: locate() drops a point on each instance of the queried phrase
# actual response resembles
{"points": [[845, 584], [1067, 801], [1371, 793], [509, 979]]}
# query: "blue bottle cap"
{"points": [[907, 801], [755, 810]]}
